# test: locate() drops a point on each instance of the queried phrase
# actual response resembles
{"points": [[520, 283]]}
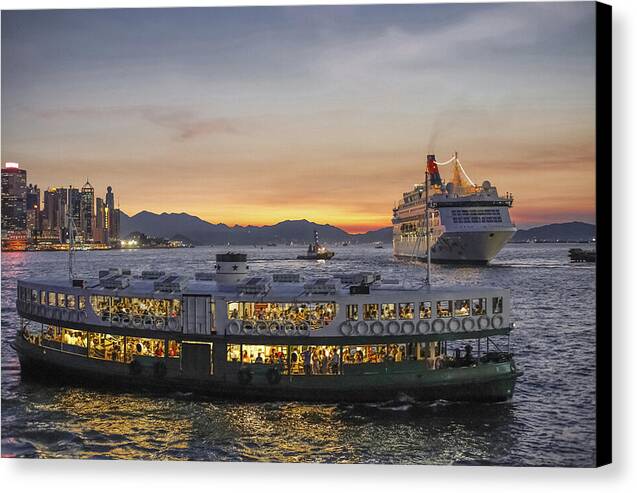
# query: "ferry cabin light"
{"points": [[12, 165]]}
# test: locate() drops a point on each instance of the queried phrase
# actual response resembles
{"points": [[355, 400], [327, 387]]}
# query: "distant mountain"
{"points": [[573, 231], [200, 232]]}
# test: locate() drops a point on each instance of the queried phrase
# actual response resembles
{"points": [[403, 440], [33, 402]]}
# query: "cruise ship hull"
{"points": [[477, 247]]}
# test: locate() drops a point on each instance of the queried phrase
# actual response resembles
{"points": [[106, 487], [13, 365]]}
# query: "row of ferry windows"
{"points": [[406, 311], [102, 346], [109, 306], [479, 216], [316, 314], [328, 360], [51, 298]]}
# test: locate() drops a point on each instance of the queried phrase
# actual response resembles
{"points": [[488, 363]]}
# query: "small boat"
{"points": [[271, 244], [378, 244], [316, 251], [579, 255], [346, 243]]}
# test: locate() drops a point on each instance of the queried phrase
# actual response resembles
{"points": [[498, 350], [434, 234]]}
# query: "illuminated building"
{"points": [[87, 205], [14, 204], [33, 212]]}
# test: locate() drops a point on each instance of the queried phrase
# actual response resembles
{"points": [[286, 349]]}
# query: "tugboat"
{"points": [[316, 251], [229, 333]]}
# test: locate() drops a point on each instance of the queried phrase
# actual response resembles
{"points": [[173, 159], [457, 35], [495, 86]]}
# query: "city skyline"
{"points": [[257, 115]]}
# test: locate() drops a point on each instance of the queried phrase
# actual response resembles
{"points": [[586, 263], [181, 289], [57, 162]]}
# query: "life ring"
{"points": [[244, 375], [234, 327], [159, 369], [468, 324], [408, 328], [126, 320], [248, 326], [453, 325], [377, 328], [497, 321], [172, 323], [137, 321], [160, 323], [261, 327], [273, 375], [135, 367], [148, 321], [393, 328], [115, 320], [303, 328], [362, 328], [105, 317], [346, 328], [424, 327], [274, 328], [288, 327], [483, 322], [438, 326]]}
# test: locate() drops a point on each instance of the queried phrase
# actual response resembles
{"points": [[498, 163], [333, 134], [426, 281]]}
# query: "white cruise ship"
{"points": [[468, 223]]}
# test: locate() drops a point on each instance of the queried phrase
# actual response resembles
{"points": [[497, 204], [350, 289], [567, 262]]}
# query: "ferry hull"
{"points": [[461, 247], [490, 382]]}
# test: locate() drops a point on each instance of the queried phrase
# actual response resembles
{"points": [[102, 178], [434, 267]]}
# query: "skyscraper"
{"points": [[111, 216], [100, 234], [14, 205], [87, 207], [33, 211]]}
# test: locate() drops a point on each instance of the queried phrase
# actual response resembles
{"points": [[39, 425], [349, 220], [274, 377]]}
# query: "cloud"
{"points": [[185, 123]]}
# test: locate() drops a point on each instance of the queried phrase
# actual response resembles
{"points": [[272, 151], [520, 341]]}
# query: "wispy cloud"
{"points": [[185, 123]]}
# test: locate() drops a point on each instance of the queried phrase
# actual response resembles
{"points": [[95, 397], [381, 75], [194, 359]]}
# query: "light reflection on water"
{"points": [[549, 422]]}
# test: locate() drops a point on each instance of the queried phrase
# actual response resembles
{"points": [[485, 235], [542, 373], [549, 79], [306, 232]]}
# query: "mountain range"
{"points": [[200, 232]]}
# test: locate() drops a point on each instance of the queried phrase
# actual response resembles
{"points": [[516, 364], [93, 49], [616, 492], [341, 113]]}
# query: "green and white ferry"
{"points": [[228, 333]]}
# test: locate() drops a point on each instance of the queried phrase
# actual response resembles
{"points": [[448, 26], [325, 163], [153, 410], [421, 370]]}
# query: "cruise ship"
{"points": [[468, 223]]}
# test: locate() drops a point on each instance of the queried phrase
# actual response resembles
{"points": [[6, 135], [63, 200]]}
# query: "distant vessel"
{"points": [[378, 244], [469, 223], [579, 255], [316, 251]]}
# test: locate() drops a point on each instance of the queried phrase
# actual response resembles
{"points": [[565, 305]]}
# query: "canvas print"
{"points": [[344, 234]]}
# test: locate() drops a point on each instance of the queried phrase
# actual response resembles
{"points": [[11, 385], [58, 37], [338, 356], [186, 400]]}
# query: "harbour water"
{"points": [[550, 421]]}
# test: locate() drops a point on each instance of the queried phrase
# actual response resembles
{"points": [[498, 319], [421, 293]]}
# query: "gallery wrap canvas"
{"points": [[347, 234]]}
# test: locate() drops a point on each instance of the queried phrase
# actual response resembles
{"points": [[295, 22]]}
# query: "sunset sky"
{"points": [[256, 115]]}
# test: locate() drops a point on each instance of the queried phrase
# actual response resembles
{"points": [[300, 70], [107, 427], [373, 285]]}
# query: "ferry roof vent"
{"points": [[115, 281], [152, 274], [321, 286], [205, 276], [254, 285], [286, 277], [109, 272], [169, 284]]}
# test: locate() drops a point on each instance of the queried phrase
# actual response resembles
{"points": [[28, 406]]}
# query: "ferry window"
{"points": [[43, 297], [61, 299], [479, 306], [175, 308], [138, 346], [74, 337], [461, 308], [370, 311], [233, 353], [315, 360], [213, 311], [70, 301], [51, 298], [34, 296], [233, 310], [101, 305], [497, 304], [174, 349], [364, 354], [406, 311], [352, 312], [425, 309], [81, 302], [443, 309], [52, 333], [265, 355], [388, 311], [106, 346]]}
